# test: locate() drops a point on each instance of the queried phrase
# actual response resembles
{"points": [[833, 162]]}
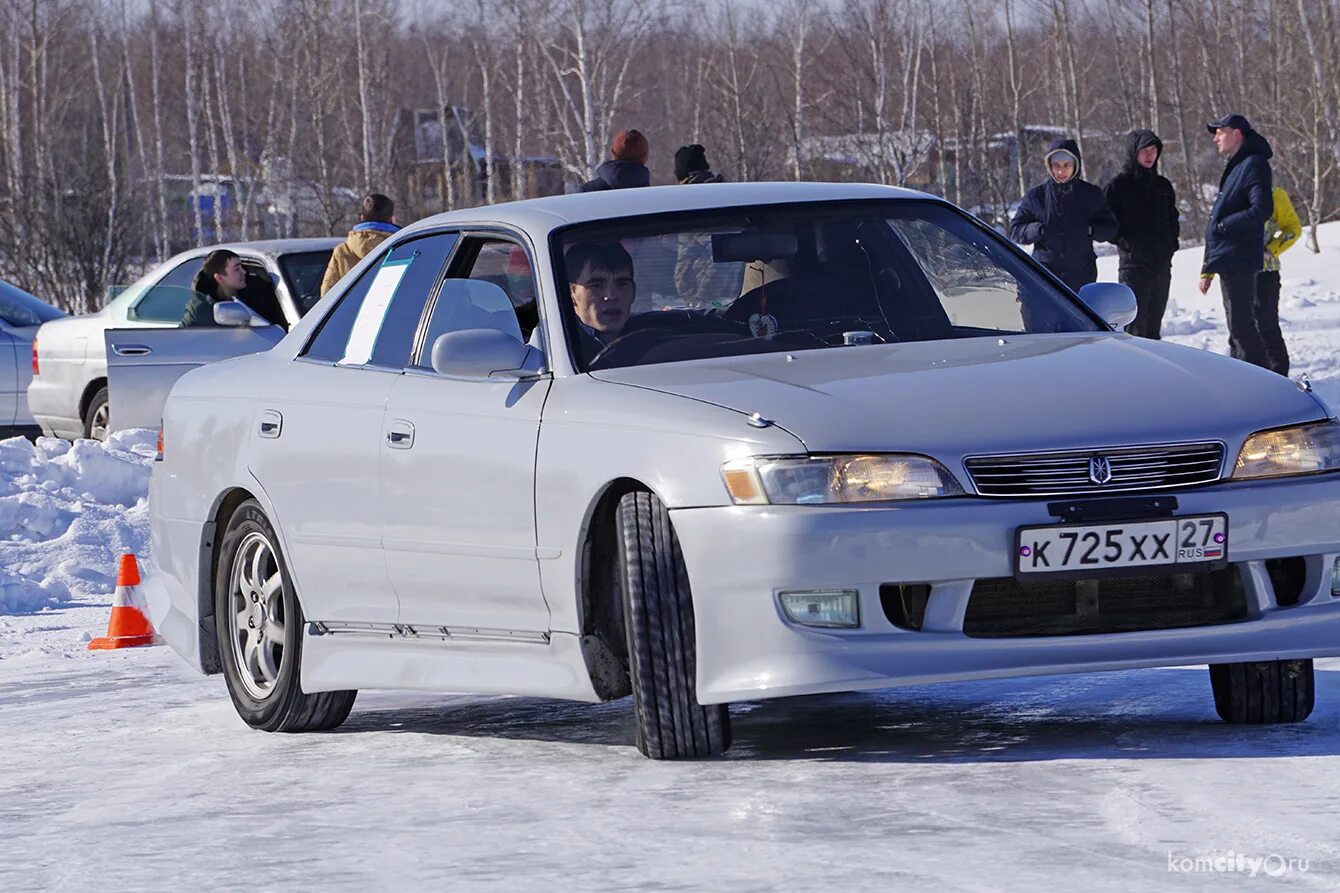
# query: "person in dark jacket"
{"points": [[221, 277], [1235, 240], [691, 166], [627, 167], [1145, 206], [1063, 217]]}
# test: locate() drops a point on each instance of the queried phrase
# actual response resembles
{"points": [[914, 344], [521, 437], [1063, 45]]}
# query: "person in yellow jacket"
{"points": [[1282, 230], [376, 218]]}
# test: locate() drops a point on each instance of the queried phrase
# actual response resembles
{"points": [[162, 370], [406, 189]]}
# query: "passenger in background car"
{"points": [[220, 278], [376, 221]]}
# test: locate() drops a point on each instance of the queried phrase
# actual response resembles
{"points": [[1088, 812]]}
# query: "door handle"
{"points": [[272, 424], [400, 435], [131, 350]]}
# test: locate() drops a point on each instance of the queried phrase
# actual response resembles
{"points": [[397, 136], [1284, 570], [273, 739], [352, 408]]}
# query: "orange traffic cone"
{"points": [[128, 626]]}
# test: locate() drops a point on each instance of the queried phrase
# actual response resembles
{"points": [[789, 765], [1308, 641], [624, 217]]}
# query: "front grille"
{"points": [[1128, 468], [1005, 608]]}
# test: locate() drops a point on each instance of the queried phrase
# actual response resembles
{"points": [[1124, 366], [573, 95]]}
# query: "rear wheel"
{"points": [[97, 415], [658, 617], [1261, 692], [260, 625]]}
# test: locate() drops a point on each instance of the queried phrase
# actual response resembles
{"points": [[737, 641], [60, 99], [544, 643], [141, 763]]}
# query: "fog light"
{"points": [[1335, 579], [825, 607]]}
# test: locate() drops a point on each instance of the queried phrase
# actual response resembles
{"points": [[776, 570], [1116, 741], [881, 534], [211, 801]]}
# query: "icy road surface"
{"points": [[125, 770]]}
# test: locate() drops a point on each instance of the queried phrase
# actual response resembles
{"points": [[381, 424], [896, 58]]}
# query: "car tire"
{"points": [[97, 416], [260, 624], [1261, 692], [658, 619]]}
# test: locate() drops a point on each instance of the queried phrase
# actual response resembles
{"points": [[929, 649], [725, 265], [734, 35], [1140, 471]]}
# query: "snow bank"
{"points": [[67, 510]]}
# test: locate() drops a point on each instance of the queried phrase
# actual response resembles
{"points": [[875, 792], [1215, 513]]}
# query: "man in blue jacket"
{"points": [[1235, 235], [1063, 217]]}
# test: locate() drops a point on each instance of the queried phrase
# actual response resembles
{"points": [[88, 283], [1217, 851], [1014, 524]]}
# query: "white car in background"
{"points": [[20, 316], [69, 396], [848, 438]]}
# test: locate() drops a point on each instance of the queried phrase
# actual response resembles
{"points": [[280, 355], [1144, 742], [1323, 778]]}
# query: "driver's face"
{"points": [[603, 299]]}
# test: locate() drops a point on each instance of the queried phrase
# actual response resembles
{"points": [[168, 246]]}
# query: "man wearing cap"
{"points": [[1235, 235], [627, 167]]}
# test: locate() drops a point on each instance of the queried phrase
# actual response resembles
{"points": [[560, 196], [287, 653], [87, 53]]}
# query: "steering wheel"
{"points": [[666, 324], [622, 341]]}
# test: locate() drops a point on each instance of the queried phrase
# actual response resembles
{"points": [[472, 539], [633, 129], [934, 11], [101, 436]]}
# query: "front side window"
{"points": [[796, 277], [303, 272], [166, 299], [375, 321]]}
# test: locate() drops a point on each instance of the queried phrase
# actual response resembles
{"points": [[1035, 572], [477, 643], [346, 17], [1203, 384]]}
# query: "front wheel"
{"points": [[260, 625], [1263, 692], [97, 416], [662, 644]]}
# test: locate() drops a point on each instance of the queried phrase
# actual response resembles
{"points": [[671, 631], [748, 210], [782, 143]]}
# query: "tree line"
{"points": [[129, 131]]}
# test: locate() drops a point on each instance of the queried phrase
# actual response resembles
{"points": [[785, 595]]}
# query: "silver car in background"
{"points": [[20, 316], [69, 395], [848, 438]]}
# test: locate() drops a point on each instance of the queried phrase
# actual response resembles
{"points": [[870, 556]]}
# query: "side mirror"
{"points": [[479, 353], [1114, 302], [235, 314]]}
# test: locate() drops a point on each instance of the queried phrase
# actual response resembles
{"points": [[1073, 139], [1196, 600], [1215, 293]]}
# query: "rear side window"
{"points": [[376, 320]]}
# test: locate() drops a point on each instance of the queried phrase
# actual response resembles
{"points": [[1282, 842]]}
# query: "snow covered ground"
{"points": [[126, 770]]}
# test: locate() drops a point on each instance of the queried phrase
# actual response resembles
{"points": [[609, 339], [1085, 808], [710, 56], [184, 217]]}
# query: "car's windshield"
{"points": [[303, 273], [796, 277], [22, 310]]}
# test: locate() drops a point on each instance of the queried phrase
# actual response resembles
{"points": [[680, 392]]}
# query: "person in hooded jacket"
{"points": [[1145, 206], [1063, 217], [376, 223], [627, 167], [691, 166], [1235, 236]]}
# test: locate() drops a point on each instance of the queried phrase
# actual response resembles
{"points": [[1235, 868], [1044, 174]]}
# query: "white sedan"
{"points": [[69, 395], [731, 442]]}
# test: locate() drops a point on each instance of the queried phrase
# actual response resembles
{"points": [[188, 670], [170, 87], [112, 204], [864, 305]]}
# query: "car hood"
{"points": [[952, 399]]}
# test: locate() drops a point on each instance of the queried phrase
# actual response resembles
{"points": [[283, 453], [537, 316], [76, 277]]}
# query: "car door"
{"points": [[316, 439], [144, 364], [9, 376], [458, 467]]}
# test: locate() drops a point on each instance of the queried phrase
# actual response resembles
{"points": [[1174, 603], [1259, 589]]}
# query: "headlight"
{"points": [[813, 480], [1302, 449]]}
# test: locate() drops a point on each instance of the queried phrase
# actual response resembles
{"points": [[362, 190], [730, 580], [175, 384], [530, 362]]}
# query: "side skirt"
{"points": [[337, 656]]}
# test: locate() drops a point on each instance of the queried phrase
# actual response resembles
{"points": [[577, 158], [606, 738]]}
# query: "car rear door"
{"points": [[144, 364], [9, 377], [316, 442], [458, 471]]}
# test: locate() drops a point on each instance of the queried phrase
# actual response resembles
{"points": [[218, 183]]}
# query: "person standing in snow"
{"points": [[1145, 206], [691, 166], [376, 218], [1282, 230], [1235, 234], [627, 167], [1063, 217]]}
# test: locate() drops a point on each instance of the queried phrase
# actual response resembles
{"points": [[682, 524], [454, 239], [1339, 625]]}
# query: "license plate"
{"points": [[1184, 543]]}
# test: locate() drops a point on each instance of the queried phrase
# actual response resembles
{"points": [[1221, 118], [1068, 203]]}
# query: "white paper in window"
{"points": [[368, 323]]}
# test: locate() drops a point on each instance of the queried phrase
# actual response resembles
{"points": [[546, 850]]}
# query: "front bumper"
{"points": [[740, 557]]}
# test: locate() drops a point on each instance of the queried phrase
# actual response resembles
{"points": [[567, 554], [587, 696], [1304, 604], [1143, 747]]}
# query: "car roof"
{"points": [[560, 210], [267, 247]]}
